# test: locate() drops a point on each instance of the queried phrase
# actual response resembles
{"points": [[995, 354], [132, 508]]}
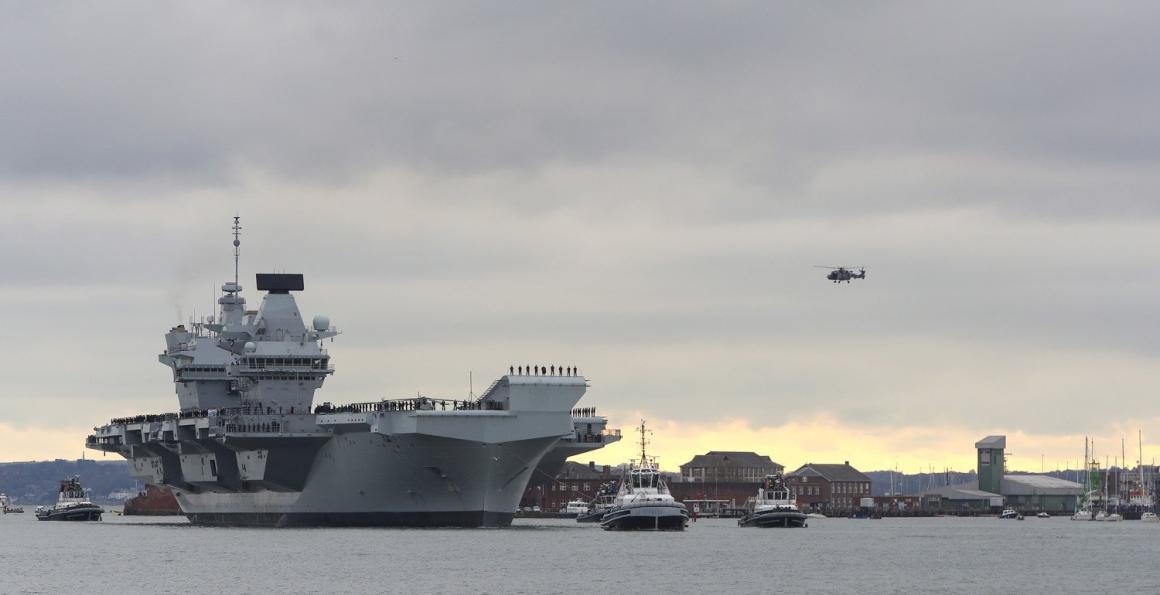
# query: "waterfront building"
{"points": [[575, 481], [828, 487], [729, 466], [995, 488]]}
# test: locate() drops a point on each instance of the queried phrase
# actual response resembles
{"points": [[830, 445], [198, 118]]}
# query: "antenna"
{"points": [[237, 243], [643, 442]]}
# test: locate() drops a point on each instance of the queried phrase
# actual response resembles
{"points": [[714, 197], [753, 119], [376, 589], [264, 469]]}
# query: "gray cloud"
{"points": [[779, 97], [639, 189]]}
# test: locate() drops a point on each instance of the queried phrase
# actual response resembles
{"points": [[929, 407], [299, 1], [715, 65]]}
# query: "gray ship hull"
{"points": [[365, 479]]}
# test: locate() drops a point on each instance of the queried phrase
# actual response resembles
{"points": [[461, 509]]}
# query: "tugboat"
{"points": [[772, 507], [643, 501], [71, 504]]}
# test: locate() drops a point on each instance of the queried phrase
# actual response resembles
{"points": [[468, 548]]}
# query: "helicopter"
{"points": [[839, 274]]}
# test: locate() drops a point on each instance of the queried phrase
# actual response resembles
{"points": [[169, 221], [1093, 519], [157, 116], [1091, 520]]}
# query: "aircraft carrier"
{"points": [[249, 447]]}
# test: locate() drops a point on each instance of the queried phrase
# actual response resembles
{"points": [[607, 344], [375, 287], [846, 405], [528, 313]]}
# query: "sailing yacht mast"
{"points": [[1140, 468]]}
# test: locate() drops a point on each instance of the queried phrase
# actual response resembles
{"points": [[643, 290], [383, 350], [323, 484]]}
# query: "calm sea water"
{"points": [[940, 555]]}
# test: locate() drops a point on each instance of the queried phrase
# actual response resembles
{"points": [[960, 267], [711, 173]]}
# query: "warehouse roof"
{"points": [[963, 491], [1038, 485], [969, 491], [1013, 485]]}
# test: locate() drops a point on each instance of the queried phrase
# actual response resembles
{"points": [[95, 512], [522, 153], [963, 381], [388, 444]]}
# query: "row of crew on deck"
{"points": [[416, 404], [543, 371]]}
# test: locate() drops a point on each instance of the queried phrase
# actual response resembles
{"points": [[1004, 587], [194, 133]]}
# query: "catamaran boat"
{"points": [[574, 508], [643, 501], [772, 507], [71, 505]]}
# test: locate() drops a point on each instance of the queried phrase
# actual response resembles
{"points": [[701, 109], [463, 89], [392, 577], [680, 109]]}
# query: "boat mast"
{"points": [[1140, 467], [643, 455], [1120, 476]]}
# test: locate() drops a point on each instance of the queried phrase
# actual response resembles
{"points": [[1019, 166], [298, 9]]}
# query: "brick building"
{"points": [[828, 488], [723, 466], [574, 482]]}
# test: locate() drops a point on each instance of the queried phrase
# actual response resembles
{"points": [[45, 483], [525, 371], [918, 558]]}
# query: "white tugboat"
{"points": [[71, 505], [772, 507], [643, 501]]}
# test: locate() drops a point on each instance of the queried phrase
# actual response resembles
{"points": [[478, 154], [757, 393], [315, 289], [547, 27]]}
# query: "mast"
{"points": [[237, 245], [1140, 467], [1120, 477], [643, 455], [1087, 487]]}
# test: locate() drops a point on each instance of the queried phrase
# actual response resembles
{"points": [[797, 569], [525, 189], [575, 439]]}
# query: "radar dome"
{"points": [[321, 322], [250, 347]]}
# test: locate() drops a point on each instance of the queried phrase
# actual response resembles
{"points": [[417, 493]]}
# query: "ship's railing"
{"points": [[594, 437], [584, 412], [406, 404], [254, 427], [412, 404]]}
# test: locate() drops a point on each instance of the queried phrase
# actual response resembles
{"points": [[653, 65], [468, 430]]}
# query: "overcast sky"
{"points": [[639, 189]]}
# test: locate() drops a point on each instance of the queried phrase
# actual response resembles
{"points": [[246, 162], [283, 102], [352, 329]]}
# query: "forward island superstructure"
{"points": [[249, 447]]}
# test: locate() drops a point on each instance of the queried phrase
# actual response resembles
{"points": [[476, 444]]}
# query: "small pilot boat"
{"points": [[7, 507], [574, 508]]}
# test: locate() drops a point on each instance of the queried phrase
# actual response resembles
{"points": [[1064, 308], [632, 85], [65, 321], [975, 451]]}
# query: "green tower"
{"points": [[991, 460]]}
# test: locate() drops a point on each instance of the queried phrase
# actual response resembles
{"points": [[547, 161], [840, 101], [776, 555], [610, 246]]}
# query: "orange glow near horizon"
{"points": [[822, 439], [818, 439]]}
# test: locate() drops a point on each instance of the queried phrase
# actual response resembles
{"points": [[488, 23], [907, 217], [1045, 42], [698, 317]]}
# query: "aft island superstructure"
{"points": [[248, 446]]}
